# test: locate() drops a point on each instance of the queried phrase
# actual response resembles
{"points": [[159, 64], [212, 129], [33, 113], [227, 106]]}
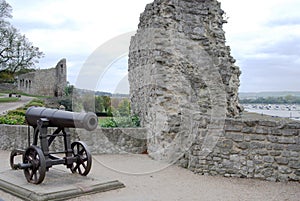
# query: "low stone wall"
{"points": [[268, 150], [99, 141]]}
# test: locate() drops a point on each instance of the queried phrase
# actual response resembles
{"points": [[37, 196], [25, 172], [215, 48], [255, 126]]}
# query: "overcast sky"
{"points": [[264, 37]]}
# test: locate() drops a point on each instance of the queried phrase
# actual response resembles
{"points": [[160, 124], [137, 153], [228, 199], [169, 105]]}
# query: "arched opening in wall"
{"points": [[29, 86], [26, 84]]}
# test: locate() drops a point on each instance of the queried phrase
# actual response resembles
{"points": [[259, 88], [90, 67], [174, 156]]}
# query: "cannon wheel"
{"points": [[14, 153], [36, 173], [83, 162]]}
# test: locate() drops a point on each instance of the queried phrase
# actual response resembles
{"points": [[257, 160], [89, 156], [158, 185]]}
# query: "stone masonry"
{"points": [[268, 150], [47, 82], [99, 141], [184, 86], [181, 73]]}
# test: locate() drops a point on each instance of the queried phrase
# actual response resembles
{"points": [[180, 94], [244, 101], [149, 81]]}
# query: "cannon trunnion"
{"points": [[38, 159]]}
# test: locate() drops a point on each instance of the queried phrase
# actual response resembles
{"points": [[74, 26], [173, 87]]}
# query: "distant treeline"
{"points": [[272, 100]]}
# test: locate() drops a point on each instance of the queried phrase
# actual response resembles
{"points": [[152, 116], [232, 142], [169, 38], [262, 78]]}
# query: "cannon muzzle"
{"points": [[61, 118]]}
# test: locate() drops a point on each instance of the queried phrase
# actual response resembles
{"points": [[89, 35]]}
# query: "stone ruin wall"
{"points": [[47, 82], [184, 86], [260, 149], [181, 74], [99, 141], [268, 150]]}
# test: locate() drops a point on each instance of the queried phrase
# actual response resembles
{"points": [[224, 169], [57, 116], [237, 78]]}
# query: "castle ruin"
{"points": [[182, 77], [46, 82]]}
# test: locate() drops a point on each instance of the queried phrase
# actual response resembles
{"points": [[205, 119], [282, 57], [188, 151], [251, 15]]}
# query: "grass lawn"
{"points": [[4, 92], [8, 100]]}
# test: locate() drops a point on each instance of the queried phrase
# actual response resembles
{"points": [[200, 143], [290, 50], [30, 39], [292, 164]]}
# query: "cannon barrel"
{"points": [[61, 118]]}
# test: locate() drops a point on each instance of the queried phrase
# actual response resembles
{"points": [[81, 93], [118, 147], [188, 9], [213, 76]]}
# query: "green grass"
{"points": [[8, 100], [23, 94], [35, 96]]}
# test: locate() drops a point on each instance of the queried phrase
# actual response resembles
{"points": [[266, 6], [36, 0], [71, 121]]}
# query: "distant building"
{"points": [[45, 82]]}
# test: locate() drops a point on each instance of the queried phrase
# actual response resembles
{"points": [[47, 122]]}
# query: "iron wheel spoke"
{"points": [[36, 173], [83, 162]]}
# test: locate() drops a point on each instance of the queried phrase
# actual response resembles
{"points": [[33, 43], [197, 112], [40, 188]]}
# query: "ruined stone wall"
{"points": [[268, 150], [99, 141], [181, 73], [47, 82]]}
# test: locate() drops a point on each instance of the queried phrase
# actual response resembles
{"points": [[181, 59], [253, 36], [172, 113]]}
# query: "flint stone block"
{"points": [[237, 137], [257, 137], [284, 170], [248, 130], [262, 130], [268, 159], [294, 164], [257, 145], [287, 140], [289, 132], [281, 160]]}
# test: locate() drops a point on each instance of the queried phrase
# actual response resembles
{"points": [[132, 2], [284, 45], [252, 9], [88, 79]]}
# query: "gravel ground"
{"points": [[149, 180]]}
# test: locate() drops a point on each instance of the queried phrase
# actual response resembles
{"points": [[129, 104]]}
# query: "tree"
{"points": [[16, 51], [5, 10], [124, 108], [99, 108], [103, 105], [69, 89]]}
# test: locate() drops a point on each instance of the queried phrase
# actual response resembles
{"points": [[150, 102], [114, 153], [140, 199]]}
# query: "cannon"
{"points": [[37, 159]]}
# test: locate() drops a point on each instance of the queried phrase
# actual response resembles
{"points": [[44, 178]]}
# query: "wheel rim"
{"points": [[83, 162], [13, 154], [36, 173]]}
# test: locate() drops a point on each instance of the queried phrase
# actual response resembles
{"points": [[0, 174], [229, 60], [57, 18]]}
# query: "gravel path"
{"points": [[148, 180], [4, 107]]}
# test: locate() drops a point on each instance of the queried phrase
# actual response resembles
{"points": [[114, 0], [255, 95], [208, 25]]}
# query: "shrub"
{"points": [[120, 122], [136, 120], [107, 123], [67, 103], [12, 119], [35, 102], [19, 112]]}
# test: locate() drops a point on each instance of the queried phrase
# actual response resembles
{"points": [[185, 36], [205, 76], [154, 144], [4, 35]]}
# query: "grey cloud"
{"points": [[274, 66], [286, 21], [39, 24], [269, 74], [286, 46]]}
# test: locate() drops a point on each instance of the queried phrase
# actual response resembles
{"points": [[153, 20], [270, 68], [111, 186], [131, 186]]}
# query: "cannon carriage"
{"points": [[37, 159]]}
